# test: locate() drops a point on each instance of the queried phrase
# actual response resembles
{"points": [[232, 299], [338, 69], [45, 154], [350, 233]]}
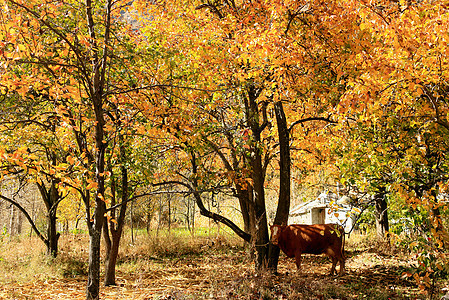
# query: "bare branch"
{"points": [[311, 119], [30, 220]]}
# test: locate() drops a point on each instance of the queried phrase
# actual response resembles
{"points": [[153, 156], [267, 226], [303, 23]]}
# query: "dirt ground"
{"points": [[228, 274]]}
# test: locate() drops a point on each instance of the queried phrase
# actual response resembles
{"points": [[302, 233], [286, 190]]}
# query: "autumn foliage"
{"points": [[112, 101]]}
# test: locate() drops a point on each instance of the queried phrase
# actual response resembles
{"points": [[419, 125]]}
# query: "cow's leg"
{"points": [[334, 265], [341, 260], [298, 261], [332, 256]]}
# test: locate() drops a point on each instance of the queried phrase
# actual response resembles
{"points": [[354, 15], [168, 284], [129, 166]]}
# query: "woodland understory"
{"points": [[209, 268]]}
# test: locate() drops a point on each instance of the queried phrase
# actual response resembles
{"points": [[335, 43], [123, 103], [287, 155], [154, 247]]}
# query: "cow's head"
{"points": [[275, 233]]}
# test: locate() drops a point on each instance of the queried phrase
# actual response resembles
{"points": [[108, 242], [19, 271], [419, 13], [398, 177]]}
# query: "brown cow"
{"points": [[313, 239]]}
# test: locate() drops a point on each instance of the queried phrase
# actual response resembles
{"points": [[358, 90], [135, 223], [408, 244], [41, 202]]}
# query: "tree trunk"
{"points": [[382, 226], [52, 234], [51, 199], [132, 223], [159, 221], [436, 221], [12, 221], [261, 235], [148, 225], [283, 207], [106, 234], [169, 214], [93, 280], [19, 222], [116, 231], [246, 208], [188, 217], [95, 227], [260, 238], [193, 219], [111, 262]]}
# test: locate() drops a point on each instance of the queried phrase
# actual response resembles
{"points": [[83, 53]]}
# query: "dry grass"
{"points": [[181, 267]]}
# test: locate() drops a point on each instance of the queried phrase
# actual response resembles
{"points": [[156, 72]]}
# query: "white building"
{"points": [[326, 208]]}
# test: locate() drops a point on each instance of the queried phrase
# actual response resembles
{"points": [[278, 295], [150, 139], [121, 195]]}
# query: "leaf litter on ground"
{"points": [[228, 273]]}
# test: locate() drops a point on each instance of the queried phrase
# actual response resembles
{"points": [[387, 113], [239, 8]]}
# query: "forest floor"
{"points": [[205, 269]]}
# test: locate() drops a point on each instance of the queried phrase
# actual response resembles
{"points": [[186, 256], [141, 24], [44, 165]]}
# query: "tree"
{"points": [[128, 179], [238, 62], [31, 157], [78, 56], [283, 208], [403, 70], [368, 157]]}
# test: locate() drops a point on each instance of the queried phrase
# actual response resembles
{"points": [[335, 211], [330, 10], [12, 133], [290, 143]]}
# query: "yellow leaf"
{"points": [[21, 47]]}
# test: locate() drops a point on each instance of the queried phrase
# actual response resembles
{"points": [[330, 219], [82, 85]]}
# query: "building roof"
{"points": [[322, 201]]}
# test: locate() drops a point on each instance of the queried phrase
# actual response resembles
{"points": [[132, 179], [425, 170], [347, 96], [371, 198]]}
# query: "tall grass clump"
{"points": [[174, 244], [23, 259]]}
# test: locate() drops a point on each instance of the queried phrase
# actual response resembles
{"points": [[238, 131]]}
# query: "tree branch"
{"points": [[30, 220], [311, 119]]}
